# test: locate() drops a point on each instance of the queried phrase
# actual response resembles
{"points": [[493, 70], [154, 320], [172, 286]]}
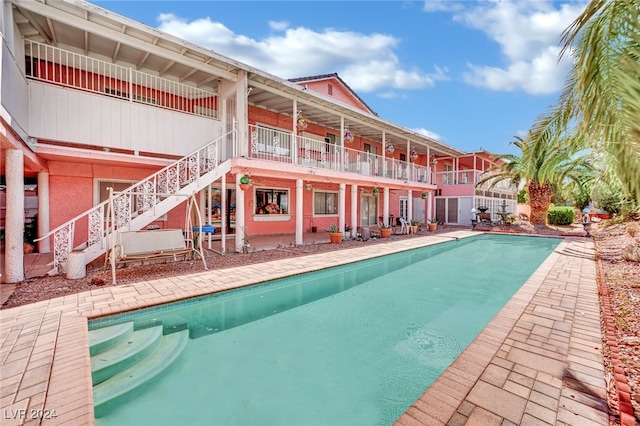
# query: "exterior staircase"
{"points": [[122, 360], [141, 203]]}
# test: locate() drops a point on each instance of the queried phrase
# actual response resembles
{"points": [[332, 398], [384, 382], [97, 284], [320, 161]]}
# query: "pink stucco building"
{"points": [[92, 100]]}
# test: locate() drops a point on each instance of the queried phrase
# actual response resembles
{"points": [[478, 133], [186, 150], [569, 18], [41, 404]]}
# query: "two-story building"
{"points": [[91, 100]]}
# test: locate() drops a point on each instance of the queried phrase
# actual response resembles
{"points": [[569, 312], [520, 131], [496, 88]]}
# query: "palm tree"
{"points": [[601, 100], [543, 166]]}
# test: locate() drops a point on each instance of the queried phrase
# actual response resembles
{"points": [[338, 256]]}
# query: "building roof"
{"points": [[335, 75]]}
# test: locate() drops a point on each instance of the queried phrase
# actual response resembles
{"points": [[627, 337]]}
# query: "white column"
{"points": [[202, 203], [44, 246], [242, 114], [354, 210], [240, 227], [299, 211], [409, 205], [341, 207], [385, 205], [14, 223], [429, 213], [223, 214]]}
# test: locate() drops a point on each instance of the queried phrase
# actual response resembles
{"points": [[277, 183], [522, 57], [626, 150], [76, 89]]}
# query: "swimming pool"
{"points": [[378, 333]]}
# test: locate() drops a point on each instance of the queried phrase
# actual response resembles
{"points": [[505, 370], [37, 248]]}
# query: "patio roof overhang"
{"points": [[277, 95], [90, 30]]}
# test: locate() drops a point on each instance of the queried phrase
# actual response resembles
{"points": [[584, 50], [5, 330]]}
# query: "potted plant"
{"points": [[433, 224], [347, 231], [30, 234], [335, 236], [414, 226], [423, 195], [385, 230], [245, 182]]}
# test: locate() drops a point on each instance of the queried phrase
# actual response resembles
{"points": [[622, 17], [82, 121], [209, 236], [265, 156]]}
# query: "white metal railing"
{"points": [[135, 200], [285, 147], [501, 185], [62, 67], [469, 177]]}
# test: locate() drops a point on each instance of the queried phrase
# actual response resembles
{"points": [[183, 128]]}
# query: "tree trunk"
{"points": [[539, 200]]}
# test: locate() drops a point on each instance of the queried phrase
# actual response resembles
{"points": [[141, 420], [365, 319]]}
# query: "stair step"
{"points": [[146, 369], [105, 338], [138, 345]]}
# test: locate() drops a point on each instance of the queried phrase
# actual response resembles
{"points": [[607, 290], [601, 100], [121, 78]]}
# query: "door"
{"points": [[452, 210], [464, 212], [418, 209], [441, 209], [404, 208], [368, 210]]}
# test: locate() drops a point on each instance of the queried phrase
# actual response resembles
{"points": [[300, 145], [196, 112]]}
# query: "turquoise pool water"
{"points": [[352, 345]]}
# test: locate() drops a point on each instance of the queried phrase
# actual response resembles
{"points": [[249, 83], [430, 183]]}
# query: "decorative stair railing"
{"points": [[141, 203]]}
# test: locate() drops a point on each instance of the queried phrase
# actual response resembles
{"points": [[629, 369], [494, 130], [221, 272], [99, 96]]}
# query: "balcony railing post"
{"points": [[294, 147], [130, 84]]}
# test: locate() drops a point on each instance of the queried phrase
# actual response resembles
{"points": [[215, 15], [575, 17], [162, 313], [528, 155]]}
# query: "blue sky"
{"points": [[471, 74]]}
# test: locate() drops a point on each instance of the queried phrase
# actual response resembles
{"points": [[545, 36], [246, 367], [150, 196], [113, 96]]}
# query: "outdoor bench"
{"points": [[139, 246]]}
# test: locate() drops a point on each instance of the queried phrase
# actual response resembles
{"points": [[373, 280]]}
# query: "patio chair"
{"points": [[405, 226]]}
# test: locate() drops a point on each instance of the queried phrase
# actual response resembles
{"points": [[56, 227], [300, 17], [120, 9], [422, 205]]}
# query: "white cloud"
{"points": [[528, 33], [278, 26], [442, 6], [392, 95], [428, 133], [367, 62]]}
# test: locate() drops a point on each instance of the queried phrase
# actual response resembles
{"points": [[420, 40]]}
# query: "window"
{"points": [[329, 89], [325, 203], [371, 149], [272, 201]]}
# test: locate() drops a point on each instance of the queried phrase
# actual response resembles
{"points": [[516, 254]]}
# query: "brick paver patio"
{"points": [[537, 362]]}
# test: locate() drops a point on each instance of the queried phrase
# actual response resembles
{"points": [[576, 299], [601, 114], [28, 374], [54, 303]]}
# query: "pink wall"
{"points": [[339, 92], [71, 192]]}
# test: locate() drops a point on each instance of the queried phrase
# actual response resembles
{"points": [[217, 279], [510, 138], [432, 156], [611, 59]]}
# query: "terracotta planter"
{"points": [[336, 237], [244, 186], [385, 232], [433, 227], [414, 229]]}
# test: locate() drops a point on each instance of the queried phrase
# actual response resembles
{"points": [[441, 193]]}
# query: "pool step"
{"points": [[103, 339], [137, 346], [145, 369]]}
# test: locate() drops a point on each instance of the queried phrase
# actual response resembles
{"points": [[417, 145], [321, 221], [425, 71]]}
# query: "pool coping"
{"points": [[45, 345]]}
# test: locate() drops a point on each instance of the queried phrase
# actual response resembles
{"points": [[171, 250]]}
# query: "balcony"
{"points": [[283, 147], [64, 68]]}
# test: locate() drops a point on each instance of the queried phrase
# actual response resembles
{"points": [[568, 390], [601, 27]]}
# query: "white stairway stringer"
{"points": [[167, 203], [141, 203]]}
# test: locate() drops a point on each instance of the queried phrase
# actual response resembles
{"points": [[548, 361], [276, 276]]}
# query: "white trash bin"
{"points": [[76, 265]]}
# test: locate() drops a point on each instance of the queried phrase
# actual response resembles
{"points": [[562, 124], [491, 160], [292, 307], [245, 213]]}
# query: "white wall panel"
{"points": [[70, 115]]}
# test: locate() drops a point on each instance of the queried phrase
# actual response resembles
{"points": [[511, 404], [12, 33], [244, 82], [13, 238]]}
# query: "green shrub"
{"points": [[560, 215]]}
